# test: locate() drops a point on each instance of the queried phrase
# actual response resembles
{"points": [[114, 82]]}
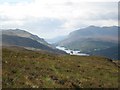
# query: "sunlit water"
{"points": [[72, 52]]}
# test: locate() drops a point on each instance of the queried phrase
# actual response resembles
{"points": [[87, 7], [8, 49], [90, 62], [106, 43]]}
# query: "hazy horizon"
{"points": [[52, 18]]}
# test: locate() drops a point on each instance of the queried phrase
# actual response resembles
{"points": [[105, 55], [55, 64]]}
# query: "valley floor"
{"points": [[33, 69]]}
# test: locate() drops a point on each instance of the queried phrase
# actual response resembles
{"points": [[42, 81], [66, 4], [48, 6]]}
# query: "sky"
{"points": [[52, 18]]}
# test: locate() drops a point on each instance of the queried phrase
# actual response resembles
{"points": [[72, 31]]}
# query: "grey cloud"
{"points": [[47, 24], [104, 16]]}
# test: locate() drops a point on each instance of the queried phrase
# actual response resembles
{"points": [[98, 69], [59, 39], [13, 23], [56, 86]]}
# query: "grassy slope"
{"points": [[89, 45], [25, 68]]}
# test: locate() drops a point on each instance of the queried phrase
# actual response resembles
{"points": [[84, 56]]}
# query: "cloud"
{"points": [[57, 17]]}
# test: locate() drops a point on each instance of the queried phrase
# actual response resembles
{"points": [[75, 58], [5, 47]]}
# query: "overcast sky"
{"points": [[51, 18]]}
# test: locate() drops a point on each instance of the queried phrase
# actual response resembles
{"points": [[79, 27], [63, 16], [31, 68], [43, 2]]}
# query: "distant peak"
{"points": [[92, 26], [18, 29]]}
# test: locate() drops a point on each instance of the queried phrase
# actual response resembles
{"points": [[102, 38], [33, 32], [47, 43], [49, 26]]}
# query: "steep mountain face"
{"points": [[91, 39], [23, 33], [25, 39]]}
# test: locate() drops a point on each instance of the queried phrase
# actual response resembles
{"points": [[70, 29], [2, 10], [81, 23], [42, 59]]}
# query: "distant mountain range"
{"points": [[56, 39], [17, 37], [93, 40]]}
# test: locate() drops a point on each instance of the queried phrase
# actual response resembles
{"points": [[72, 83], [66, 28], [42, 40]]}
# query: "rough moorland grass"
{"points": [[29, 69]]}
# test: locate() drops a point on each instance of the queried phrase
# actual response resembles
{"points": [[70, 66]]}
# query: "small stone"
{"points": [[62, 82], [6, 62], [54, 78]]}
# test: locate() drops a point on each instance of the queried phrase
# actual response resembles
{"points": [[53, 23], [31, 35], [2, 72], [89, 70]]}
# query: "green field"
{"points": [[38, 69]]}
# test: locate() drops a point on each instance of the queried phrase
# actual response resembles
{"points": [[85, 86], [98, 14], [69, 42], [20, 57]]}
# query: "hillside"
{"points": [[23, 33], [22, 41], [111, 52], [26, 40], [91, 39], [34, 69]]}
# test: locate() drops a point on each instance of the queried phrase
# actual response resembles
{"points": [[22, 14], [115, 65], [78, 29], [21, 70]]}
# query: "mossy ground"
{"points": [[32, 69]]}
